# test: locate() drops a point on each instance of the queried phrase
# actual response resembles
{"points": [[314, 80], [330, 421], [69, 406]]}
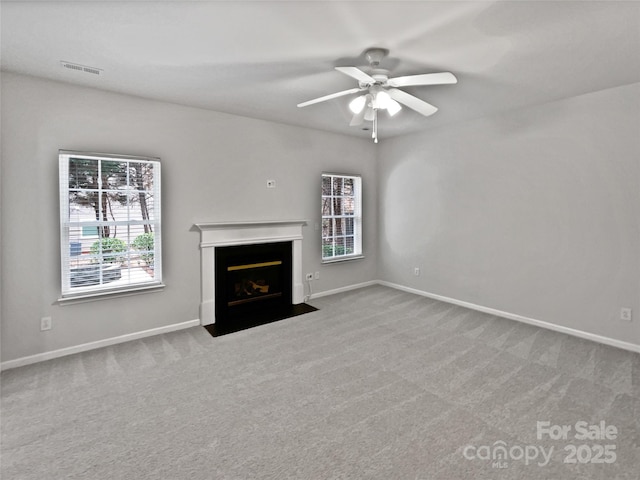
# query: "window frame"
{"points": [[356, 218], [72, 294]]}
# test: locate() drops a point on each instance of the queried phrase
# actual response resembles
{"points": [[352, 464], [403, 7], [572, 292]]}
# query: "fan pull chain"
{"points": [[374, 134]]}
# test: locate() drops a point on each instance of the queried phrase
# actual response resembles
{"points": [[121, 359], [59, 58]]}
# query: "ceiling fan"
{"points": [[383, 92]]}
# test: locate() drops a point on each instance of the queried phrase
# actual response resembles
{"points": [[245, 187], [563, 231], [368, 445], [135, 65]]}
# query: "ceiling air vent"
{"points": [[81, 68]]}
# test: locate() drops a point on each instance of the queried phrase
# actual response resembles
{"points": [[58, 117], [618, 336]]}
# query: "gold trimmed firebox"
{"points": [[253, 278]]}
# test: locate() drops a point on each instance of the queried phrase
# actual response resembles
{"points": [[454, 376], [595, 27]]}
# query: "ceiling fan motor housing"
{"points": [[379, 75]]}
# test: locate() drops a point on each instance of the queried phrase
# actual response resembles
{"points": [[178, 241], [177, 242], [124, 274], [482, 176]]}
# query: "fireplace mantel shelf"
{"points": [[248, 224], [238, 233]]}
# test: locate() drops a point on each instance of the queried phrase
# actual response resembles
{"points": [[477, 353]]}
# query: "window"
{"points": [[109, 223], [341, 217]]}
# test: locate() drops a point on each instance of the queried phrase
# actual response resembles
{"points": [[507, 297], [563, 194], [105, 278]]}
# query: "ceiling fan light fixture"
{"points": [[393, 107], [382, 100], [369, 114], [357, 104]]}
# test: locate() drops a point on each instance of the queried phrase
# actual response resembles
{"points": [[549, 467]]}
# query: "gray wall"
{"points": [[215, 168], [535, 212]]}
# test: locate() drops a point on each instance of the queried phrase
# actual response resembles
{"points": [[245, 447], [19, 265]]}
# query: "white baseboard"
{"points": [[519, 318], [344, 289], [41, 357]]}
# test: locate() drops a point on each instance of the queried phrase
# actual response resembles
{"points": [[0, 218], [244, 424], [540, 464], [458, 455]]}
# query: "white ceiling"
{"points": [[261, 58]]}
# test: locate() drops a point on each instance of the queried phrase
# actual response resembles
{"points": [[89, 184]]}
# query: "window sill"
{"points": [[341, 259], [105, 295]]}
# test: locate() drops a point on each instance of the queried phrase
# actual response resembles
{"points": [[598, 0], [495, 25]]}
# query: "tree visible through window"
{"points": [[110, 222], [341, 216]]}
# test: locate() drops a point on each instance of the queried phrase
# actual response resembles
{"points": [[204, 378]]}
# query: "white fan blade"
{"points": [[425, 79], [329, 97], [356, 73], [412, 102]]}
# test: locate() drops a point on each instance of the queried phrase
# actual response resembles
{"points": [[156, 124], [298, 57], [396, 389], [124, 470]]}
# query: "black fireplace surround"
{"points": [[252, 281]]}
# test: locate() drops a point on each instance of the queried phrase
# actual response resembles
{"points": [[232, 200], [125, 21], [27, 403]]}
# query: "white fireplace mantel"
{"points": [[214, 235]]}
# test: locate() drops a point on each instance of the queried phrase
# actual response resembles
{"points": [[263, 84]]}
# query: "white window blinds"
{"points": [[110, 227], [341, 217]]}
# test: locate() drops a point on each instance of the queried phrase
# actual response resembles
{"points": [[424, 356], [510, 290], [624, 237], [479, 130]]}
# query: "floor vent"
{"points": [[81, 68]]}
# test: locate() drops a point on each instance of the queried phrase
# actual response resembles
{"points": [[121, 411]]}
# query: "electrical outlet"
{"points": [[625, 314], [317, 275], [309, 276], [45, 323], [416, 272]]}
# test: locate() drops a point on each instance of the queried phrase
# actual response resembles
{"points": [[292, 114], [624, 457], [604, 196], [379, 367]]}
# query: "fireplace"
{"points": [[234, 237], [252, 278]]}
